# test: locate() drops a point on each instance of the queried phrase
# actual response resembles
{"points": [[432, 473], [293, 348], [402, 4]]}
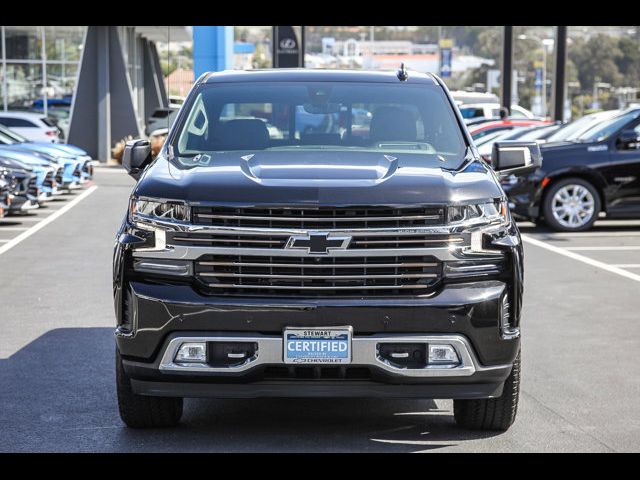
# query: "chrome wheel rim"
{"points": [[573, 206]]}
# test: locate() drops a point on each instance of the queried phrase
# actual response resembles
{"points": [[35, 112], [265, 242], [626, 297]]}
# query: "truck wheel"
{"points": [[491, 413], [141, 411], [571, 205]]}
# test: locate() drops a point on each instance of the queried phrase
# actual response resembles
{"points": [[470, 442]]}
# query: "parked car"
{"points": [[536, 133], [502, 125], [541, 133], [175, 101], [26, 193], [47, 172], [599, 171], [31, 125], [7, 185], [384, 265], [475, 111], [572, 130], [75, 161], [161, 118]]}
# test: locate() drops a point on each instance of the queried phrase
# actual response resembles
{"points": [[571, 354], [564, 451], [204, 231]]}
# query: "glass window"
{"points": [[471, 112], [61, 81], [23, 43], [341, 116], [16, 122], [64, 43], [24, 84]]}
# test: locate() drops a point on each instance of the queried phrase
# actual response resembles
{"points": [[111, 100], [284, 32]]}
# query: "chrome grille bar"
{"points": [[345, 265], [325, 288], [319, 219], [319, 277]]}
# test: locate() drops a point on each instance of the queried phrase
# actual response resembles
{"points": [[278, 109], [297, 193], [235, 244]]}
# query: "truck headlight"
{"points": [[495, 212], [172, 211]]}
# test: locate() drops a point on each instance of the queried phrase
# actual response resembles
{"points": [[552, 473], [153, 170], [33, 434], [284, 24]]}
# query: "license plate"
{"points": [[317, 345]]}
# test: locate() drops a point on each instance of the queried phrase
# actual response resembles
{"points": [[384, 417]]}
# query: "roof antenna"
{"points": [[403, 75]]}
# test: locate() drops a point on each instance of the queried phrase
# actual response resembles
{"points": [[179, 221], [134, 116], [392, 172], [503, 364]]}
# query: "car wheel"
{"points": [[571, 205], [491, 413], [140, 411]]}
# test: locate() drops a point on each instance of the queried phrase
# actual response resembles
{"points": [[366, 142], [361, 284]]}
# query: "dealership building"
{"points": [[99, 82]]}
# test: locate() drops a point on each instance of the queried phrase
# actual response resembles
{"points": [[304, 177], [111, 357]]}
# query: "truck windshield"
{"points": [[320, 116], [605, 129]]}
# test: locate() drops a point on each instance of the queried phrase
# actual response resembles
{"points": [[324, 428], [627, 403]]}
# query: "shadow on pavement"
{"points": [[58, 394]]}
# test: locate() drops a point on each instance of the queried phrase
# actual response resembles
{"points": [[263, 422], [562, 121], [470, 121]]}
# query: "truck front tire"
{"points": [[140, 411], [491, 413]]}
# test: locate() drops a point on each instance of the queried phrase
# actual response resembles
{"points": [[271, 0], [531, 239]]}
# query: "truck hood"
{"points": [[320, 178]]}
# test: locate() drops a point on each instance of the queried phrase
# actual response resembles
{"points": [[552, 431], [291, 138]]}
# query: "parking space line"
{"points": [[627, 265], [612, 247], [551, 236], [581, 258], [12, 229], [22, 219], [45, 221]]}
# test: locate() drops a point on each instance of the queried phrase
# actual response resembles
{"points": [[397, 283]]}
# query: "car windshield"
{"points": [[538, 132], [6, 132], [604, 130], [574, 129], [6, 139], [471, 112], [487, 138], [319, 116]]}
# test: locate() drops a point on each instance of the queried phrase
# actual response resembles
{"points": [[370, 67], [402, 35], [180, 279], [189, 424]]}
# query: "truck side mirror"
{"points": [[514, 157], [136, 156], [628, 140]]}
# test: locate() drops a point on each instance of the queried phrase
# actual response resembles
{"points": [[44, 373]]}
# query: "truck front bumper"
{"points": [[465, 316]]}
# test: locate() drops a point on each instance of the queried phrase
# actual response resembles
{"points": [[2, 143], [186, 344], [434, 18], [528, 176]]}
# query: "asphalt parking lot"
{"points": [[581, 347]]}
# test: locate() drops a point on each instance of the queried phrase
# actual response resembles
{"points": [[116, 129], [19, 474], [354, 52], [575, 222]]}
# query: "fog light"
{"points": [[192, 352], [443, 355]]}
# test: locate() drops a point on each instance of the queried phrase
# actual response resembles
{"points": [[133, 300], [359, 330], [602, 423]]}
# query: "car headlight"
{"points": [[172, 211], [494, 212]]}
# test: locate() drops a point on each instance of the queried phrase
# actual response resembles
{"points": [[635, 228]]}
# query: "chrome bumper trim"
{"points": [[364, 353], [179, 252]]}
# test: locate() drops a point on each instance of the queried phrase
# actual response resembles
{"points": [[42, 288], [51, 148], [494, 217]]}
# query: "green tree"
{"points": [[596, 60]]}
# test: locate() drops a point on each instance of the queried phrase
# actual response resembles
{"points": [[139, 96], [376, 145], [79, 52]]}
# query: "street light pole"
{"points": [[544, 80], [543, 43]]}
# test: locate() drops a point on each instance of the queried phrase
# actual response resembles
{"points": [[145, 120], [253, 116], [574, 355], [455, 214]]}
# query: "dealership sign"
{"points": [[287, 48]]}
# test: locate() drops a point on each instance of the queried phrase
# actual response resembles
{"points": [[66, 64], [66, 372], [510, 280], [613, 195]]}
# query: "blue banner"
{"points": [[445, 62], [538, 80]]}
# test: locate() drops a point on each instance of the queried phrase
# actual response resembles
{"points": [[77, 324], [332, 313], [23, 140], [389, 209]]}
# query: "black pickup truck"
{"points": [[597, 171], [310, 233]]}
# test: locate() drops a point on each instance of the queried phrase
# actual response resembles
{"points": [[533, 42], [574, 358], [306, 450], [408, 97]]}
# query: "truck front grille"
{"points": [[319, 218], [318, 276], [48, 179], [32, 186]]}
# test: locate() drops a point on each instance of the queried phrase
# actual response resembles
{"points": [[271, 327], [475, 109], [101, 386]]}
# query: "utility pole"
{"points": [[507, 67]]}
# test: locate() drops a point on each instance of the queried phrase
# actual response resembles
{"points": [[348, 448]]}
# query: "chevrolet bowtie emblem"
{"points": [[318, 242]]}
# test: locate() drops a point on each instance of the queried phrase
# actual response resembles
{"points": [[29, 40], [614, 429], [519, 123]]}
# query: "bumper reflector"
{"points": [[180, 268], [443, 355], [192, 352]]}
